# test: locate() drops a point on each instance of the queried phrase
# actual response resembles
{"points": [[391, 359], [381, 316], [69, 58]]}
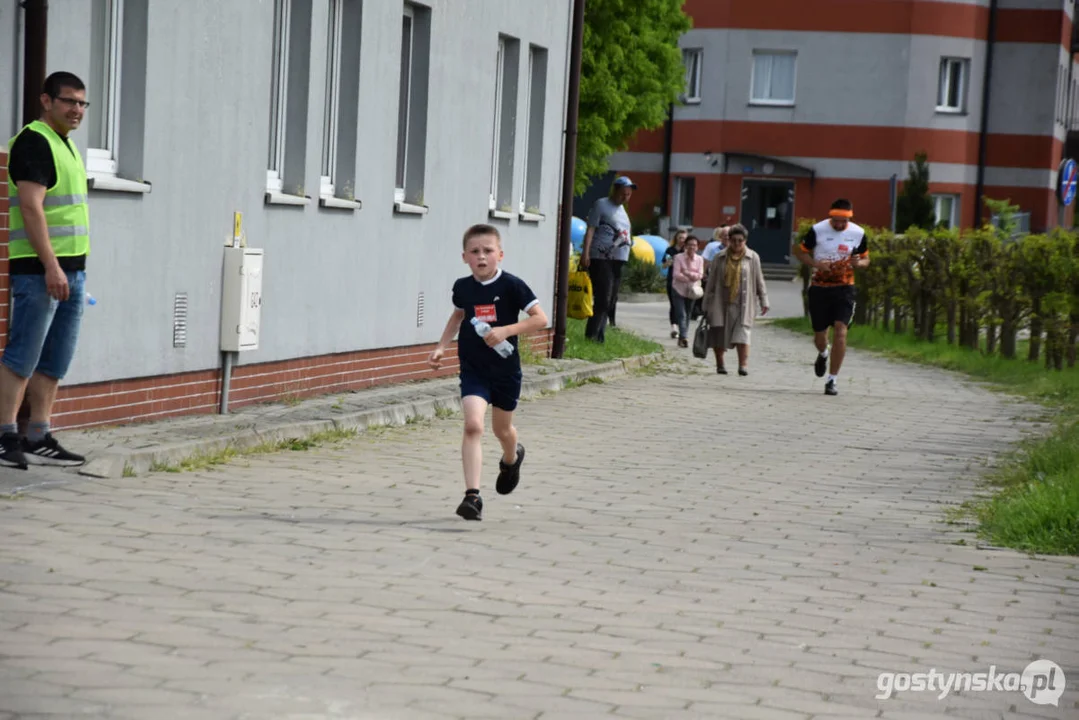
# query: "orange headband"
{"points": [[841, 213]]}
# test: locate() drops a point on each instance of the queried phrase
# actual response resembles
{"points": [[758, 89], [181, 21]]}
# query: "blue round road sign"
{"points": [[1068, 181]]}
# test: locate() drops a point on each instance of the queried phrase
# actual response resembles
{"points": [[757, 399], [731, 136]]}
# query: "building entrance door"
{"points": [[768, 214]]}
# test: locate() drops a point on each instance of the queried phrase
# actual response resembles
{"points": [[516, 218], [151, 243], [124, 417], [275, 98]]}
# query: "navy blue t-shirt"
{"points": [[499, 301]]}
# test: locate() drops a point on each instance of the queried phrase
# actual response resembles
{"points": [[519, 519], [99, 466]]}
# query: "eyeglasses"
{"points": [[74, 101]]}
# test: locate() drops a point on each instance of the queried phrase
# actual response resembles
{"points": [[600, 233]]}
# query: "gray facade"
{"points": [[193, 120], [840, 77]]}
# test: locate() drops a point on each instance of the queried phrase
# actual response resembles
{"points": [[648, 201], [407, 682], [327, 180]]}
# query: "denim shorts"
{"points": [[43, 330]]}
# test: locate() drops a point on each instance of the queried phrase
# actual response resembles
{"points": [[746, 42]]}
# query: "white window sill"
{"points": [[772, 103], [950, 111], [500, 214], [115, 184], [328, 201], [405, 208], [531, 217], [278, 198], [692, 101]]}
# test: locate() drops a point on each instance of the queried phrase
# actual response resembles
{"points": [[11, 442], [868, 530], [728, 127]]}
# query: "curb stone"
{"points": [[139, 460]]}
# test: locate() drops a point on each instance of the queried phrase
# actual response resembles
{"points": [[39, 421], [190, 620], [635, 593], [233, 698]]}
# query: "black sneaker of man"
{"points": [[471, 508], [830, 388], [820, 365], [47, 451], [510, 475], [11, 454]]}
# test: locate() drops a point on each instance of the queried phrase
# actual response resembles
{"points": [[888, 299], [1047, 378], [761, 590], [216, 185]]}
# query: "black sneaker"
{"points": [[743, 372], [49, 452], [11, 451], [471, 508], [821, 365], [509, 475], [830, 388]]}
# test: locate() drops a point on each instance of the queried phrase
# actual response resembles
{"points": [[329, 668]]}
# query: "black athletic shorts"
{"points": [[831, 305]]}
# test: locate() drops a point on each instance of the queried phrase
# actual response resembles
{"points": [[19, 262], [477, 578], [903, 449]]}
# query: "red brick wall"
{"points": [[4, 284], [154, 398]]}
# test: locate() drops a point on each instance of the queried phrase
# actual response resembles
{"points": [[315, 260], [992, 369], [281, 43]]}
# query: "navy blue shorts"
{"points": [[502, 391]]}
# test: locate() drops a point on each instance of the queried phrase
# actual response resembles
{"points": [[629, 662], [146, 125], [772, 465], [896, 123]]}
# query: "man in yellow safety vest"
{"points": [[49, 243]]}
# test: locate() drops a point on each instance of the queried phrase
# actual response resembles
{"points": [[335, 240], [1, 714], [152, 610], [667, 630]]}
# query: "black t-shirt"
{"points": [[670, 252], [500, 302], [31, 160]]}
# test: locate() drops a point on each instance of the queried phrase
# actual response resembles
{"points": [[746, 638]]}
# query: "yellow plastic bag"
{"points": [[580, 295]]}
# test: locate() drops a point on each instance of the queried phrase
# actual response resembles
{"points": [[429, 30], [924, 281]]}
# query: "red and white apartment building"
{"points": [[790, 104]]}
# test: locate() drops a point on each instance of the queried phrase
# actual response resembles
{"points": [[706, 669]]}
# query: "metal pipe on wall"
{"points": [[36, 33], [226, 379], [569, 171], [668, 146], [983, 134]]}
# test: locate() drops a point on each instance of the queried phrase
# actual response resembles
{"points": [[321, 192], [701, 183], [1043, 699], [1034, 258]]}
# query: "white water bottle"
{"points": [[504, 348]]}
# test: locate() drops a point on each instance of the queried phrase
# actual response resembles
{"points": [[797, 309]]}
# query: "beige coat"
{"points": [[752, 297]]}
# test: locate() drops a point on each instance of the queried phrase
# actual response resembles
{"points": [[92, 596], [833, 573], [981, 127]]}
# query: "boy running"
{"points": [[493, 296], [834, 248]]}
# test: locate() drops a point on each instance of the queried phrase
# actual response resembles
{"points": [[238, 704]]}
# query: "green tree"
{"points": [[914, 207], [631, 71]]}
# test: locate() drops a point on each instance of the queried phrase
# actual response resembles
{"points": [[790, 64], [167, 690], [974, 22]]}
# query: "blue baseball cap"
{"points": [[624, 181]]}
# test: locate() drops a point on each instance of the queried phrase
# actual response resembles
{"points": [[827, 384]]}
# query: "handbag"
{"points": [[700, 339], [696, 291], [579, 301]]}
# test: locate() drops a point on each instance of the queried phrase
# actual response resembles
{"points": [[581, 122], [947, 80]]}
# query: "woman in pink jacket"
{"points": [[688, 271]]}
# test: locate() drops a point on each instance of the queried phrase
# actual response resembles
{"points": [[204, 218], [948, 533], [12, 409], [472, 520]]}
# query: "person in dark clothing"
{"points": [[487, 305]]}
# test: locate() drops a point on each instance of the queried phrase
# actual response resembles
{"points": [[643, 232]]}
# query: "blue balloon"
{"points": [[660, 246], [577, 229]]}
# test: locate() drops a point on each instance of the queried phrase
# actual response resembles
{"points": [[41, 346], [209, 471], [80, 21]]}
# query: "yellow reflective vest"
{"points": [[67, 213]]}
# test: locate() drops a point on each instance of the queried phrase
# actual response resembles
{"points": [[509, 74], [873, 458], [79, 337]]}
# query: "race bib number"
{"points": [[486, 313]]}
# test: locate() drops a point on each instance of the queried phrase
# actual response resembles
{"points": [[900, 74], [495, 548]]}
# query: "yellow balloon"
{"points": [[643, 250]]}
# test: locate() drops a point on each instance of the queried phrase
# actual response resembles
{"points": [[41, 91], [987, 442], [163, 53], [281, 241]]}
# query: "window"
{"points": [[505, 124], [684, 189], [278, 102], [333, 85], [773, 78], [285, 175], [500, 68], [691, 58], [105, 43], [946, 210], [340, 120], [952, 88], [116, 88], [412, 106], [534, 123]]}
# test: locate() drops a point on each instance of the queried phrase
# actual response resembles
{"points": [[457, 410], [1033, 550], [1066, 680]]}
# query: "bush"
{"points": [[641, 276]]}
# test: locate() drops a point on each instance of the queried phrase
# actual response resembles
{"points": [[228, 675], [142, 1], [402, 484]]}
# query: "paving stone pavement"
{"points": [[682, 545]]}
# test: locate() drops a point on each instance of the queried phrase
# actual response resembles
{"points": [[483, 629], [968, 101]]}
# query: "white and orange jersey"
{"points": [[824, 242]]}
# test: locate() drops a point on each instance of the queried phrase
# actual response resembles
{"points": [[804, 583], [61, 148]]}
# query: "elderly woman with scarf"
{"points": [[733, 298]]}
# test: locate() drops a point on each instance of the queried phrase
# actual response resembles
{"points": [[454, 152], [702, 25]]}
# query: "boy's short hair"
{"points": [[481, 229], [842, 204]]}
